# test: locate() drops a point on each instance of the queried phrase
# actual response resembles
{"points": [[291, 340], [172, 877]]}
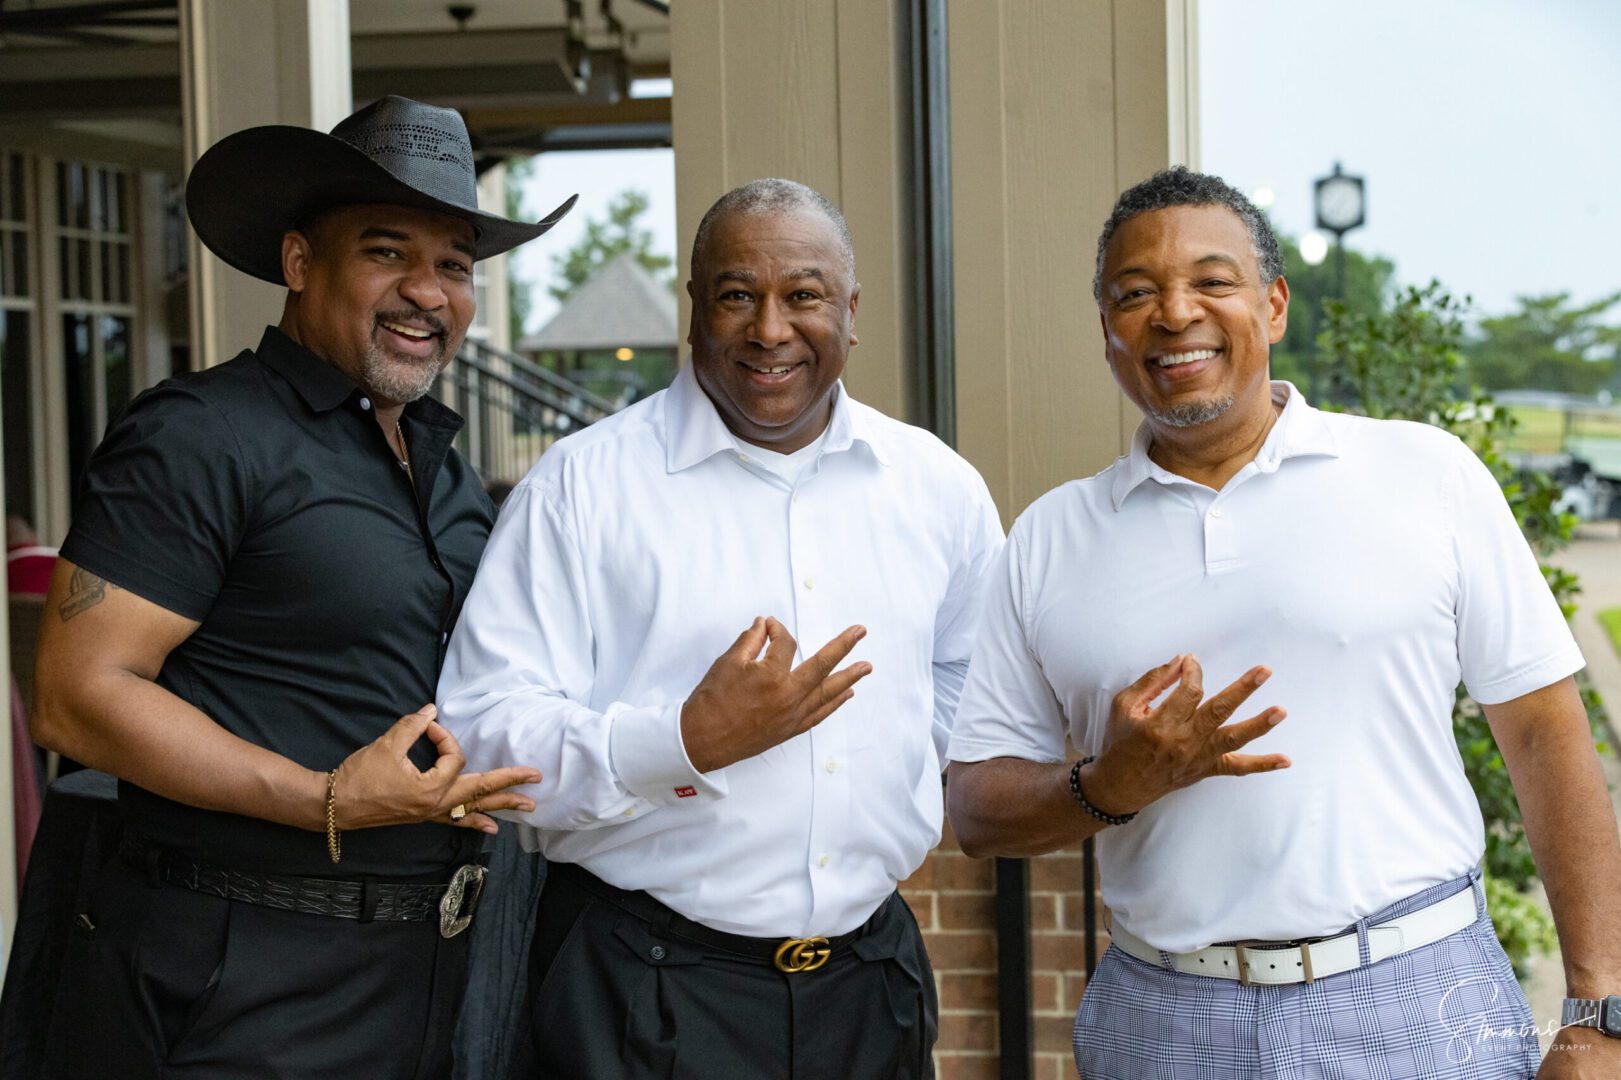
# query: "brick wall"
{"points": [[954, 898]]}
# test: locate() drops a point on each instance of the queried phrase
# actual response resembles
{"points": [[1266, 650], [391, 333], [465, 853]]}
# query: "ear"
{"points": [[692, 323], [296, 256], [855, 298], [1277, 299]]}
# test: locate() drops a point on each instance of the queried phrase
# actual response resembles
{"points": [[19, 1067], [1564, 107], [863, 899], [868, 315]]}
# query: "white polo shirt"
{"points": [[632, 555], [1373, 565]]}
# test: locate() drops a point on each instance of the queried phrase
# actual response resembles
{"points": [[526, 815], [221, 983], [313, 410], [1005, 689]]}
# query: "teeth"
{"points": [[771, 370], [1186, 357], [408, 331]]}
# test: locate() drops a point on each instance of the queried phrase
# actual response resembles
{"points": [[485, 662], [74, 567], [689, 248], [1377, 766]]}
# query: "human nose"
{"points": [[1178, 308], [420, 285], [770, 327]]}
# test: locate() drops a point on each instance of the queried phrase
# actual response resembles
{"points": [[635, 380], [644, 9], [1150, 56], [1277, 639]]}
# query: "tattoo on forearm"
{"points": [[85, 591]]}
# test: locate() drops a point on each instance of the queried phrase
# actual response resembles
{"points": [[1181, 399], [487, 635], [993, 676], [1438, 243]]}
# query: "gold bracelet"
{"points": [[334, 840]]}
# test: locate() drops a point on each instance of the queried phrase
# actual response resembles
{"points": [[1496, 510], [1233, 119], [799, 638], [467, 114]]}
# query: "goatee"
{"points": [[1192, 413]]}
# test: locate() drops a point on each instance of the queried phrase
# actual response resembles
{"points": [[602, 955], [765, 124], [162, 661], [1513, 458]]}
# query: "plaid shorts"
{"points": [[1450, 1009]]}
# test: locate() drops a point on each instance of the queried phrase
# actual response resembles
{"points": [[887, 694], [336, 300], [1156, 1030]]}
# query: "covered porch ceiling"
{"points": [[101, 80]]}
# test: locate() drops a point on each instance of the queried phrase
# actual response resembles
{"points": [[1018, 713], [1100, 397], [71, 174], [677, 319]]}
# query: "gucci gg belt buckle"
{"points": [[797, 955], [461, 898]]}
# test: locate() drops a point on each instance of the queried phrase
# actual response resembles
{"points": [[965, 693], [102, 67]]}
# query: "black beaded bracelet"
{"points": [[1075, 790]]}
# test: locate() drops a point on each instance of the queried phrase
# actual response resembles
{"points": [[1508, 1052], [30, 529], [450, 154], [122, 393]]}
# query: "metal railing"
{"points": [[514, 409]]}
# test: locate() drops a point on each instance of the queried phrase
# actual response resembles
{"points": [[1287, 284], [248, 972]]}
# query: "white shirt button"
{"points": [[823, 860], [630, 812], [810, 583], [832, 765], [794, 497], [1215, 511], [365, 404]]}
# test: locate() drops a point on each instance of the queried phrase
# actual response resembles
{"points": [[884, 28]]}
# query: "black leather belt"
{"points": [[789, 955], [366, 900]]}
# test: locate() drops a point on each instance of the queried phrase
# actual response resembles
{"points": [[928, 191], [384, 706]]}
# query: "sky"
{"points": [[597, 176], [1488, 131]]}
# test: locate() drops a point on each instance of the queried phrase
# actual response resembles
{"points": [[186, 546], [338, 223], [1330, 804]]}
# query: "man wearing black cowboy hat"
{"points": [[266, 561]]}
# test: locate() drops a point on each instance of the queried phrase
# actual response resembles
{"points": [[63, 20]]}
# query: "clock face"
{"points": [[1612, 1016], [1339, 203]]}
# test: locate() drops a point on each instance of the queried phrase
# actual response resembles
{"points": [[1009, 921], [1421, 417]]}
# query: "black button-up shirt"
{"points": [[261, 498]]}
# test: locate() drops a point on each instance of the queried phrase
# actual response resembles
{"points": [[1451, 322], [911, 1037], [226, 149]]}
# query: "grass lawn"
{"points": [[1610, 619], [1542, 431]]}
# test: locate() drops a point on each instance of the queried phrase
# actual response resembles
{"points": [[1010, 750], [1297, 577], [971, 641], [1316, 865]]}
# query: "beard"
{"points": [[400, 378], [1192, 413]]}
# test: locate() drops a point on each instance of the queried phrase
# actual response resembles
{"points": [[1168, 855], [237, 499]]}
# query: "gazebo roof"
{"points": [[621, 305]]}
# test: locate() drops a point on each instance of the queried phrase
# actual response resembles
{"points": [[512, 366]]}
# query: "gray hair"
{"points": [[773, 196], [1181, 186]]}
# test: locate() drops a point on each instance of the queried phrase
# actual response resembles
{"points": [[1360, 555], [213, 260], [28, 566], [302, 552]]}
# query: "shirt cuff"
{"points": [[651, 761]]}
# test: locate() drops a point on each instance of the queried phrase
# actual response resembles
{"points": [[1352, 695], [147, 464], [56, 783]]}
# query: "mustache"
{"points": [[409, 318]]}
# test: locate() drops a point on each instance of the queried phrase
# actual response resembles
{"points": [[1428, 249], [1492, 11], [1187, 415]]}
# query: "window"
{"points": [[95, 254], [17, 328]]}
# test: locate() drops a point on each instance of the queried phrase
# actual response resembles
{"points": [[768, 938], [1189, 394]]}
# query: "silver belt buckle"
{"points": [[461, 898], [1303, 944]]}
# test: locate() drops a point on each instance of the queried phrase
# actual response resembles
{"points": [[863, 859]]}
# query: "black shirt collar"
{"points": [[324, 387]]}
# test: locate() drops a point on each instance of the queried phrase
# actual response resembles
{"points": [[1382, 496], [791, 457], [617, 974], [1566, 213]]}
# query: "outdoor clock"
{"points": [[1341, 203]]}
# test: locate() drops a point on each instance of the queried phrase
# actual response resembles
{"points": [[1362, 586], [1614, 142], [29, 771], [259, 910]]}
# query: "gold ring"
{"points": [[458, 811]]}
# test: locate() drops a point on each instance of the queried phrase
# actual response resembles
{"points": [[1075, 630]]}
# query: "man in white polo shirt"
{"points": [[725, 835], [1370, 566]]}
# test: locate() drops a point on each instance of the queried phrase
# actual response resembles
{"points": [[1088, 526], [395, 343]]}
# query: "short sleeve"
{"points": [[163, 501], [1512, 637], [1008, 708]]}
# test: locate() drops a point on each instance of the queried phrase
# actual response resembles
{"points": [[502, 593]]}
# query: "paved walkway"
{"points": [[1595, 556]]}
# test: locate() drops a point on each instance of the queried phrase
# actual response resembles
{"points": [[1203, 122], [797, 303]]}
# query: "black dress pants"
{"points": [[618, 995], [162, 982]]}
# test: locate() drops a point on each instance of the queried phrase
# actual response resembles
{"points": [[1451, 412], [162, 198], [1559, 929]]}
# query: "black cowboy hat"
{"points": [[250, 188]]}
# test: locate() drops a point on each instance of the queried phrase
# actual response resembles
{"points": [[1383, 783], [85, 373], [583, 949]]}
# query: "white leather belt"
{"points": [[1274, 963]]}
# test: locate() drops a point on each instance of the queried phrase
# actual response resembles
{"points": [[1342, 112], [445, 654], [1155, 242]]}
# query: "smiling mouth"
{"points": [[412, 332], [769, 369], [1189, 357]]}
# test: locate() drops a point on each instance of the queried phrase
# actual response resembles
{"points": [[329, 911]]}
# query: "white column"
{"points": [[244, 63]]}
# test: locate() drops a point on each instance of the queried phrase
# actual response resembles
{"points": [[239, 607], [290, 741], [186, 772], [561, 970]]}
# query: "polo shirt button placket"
{"points": [[1218, 538]]}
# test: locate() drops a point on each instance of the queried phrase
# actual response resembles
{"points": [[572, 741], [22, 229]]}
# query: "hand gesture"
{"points": [[1150, 751], [380, 785], [744, 706]]}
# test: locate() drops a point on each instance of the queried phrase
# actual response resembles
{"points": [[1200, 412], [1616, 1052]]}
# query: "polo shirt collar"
{"points": [[1301, 431], [323, 387], [695, 432]]}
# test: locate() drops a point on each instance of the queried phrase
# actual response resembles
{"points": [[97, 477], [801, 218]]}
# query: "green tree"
{"points": [[605, 239], [1549, 344], [1367, 287], [1407, 362]]}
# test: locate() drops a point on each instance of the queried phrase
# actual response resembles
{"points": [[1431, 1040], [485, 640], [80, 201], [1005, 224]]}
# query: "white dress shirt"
{"points": [[1372, 565], [634, 554]]}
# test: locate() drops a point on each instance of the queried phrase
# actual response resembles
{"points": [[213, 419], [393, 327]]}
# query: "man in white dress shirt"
{"points": [[1295, 899], [726, 817]]}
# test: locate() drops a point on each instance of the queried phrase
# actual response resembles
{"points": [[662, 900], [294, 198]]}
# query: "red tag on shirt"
{"points": [[685, 792]]}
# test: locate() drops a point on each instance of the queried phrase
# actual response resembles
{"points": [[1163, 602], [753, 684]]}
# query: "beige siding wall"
{"points": [[813, 92], [1057, 105]]}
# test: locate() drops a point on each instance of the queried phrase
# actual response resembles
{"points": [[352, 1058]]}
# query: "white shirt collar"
{"points": [[1299, 432], [695, 432]]}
